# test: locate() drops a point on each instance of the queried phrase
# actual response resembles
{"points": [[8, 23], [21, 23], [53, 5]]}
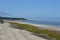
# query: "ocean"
{"points": [[44, 22]]}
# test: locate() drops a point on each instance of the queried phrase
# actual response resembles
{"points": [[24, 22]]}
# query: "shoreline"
{"points": [[48, 27], [34, 28]]}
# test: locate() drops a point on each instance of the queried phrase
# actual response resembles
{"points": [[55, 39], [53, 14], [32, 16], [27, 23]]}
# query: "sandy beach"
{"points": [[49, 27], [8, 32]]}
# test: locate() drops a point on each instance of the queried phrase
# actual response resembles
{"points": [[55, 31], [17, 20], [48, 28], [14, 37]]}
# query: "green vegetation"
{"points": [[36, 30], [9, 18]]}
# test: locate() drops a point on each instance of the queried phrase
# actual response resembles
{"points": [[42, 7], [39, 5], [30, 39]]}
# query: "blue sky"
{"points": [[30, 8]]}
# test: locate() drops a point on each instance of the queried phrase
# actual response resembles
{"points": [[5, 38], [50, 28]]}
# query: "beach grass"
{"points": [[35, 29]]}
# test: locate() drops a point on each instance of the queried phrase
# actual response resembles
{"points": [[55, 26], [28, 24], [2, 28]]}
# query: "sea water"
{"points": [[55, 23]]}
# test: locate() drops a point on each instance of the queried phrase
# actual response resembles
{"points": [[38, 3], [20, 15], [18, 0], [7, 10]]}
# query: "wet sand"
{"points": [[49, 27]]}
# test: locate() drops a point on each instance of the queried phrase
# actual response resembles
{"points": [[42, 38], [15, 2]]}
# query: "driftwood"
{"points": [[1, 21]]}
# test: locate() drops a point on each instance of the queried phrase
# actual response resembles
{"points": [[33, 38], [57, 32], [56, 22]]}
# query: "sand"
{"points": [[8, 32], [49, 27]]}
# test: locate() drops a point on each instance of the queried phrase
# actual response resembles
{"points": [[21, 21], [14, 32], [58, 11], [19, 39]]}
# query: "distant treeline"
{"points": [[10, 18]]}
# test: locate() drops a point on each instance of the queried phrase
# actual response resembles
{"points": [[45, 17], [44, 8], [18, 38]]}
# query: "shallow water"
{"points": [[55, 23]]}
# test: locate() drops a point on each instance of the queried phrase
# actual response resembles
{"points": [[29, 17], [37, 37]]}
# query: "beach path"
{"points": [[8, 32]]}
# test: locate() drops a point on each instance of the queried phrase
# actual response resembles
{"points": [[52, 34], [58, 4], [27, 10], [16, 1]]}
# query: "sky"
{"points": [[31, 9]]}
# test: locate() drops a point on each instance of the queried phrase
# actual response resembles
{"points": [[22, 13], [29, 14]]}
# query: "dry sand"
{"points": [[8, 32]]}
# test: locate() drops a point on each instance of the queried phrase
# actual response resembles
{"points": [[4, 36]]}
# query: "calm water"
{"points": [[55, 23]]}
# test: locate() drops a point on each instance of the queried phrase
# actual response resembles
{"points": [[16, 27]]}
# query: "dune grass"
{"points": [[36, 30]]}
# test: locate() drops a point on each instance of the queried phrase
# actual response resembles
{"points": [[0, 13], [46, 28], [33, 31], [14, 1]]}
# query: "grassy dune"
{"points": [[36, 30]]}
